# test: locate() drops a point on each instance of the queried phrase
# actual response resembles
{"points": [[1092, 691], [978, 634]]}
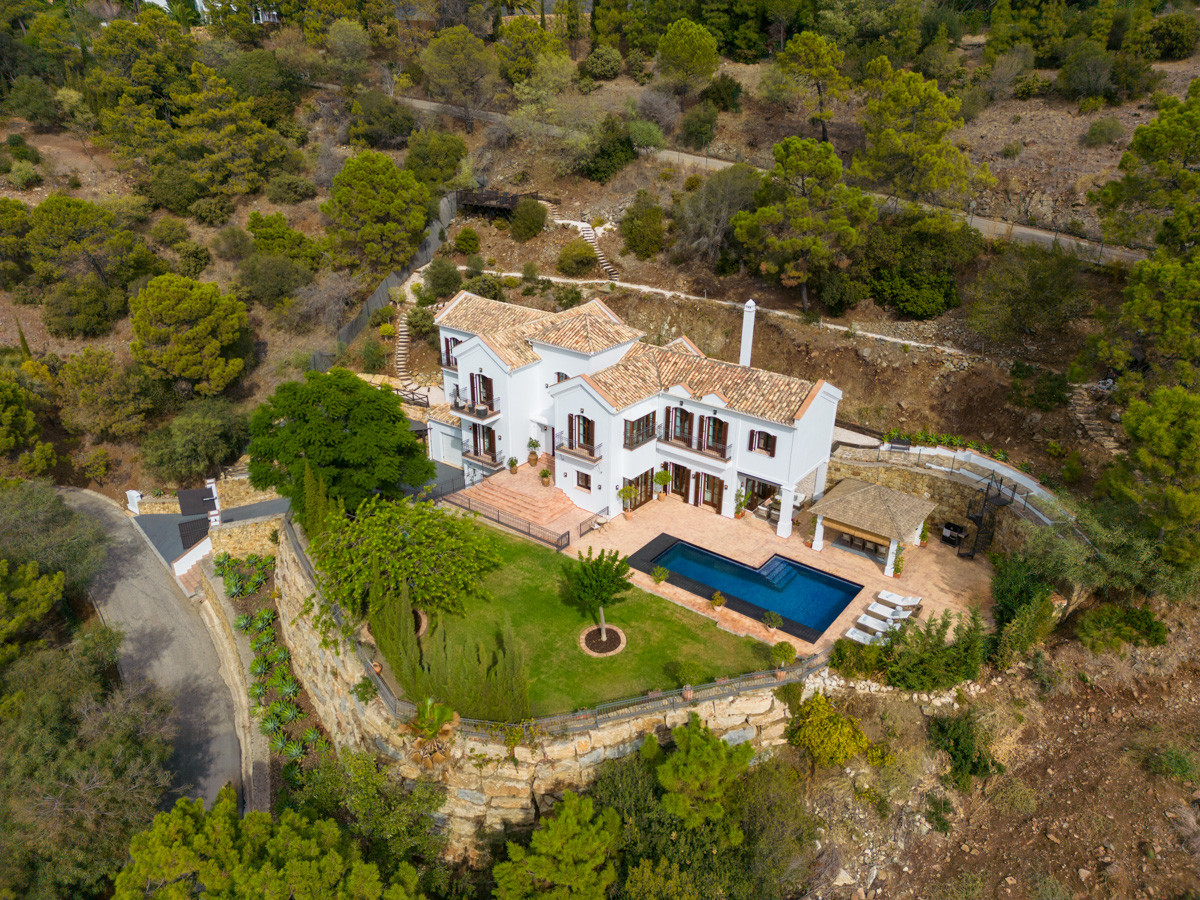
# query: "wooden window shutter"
{"points": [[703, 442], [771, 445], [570, 431], [753, 437]]}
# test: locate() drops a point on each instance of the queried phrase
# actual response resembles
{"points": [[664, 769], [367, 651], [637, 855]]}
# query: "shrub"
{"points": [[82, 307], [829, 737], [1014, 797], [642, 227], [466, 241], [267, 279], [1089, 105], [232, 243], [1172, 762], [421, 324], [915, 294], [783, 654], [659, 574], [725, 93], [770, 618], [193, 259], [433, 156], [475, 265], [528, 220], [1174, 36], [374, 357], [383, 315], [646, 135], [660, 108], [442, 278], [611, 151], [23, 175], [699, 126], [1030, 86], [1012, 150], [1087, 72], [967, 745], [379, 121], [212, 211], [1104, 131], [529, 273], [690, 673], [489, 286], [169, 231], [602, 64], [1110, 626], [917, 657], [974, 99], [285, 188], [387, 331], [206, 435], [577, 258], [567, 296], [635, 65]]}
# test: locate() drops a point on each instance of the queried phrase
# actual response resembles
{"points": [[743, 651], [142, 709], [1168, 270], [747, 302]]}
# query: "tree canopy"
{"points": [[377, 211], [687, 55]]}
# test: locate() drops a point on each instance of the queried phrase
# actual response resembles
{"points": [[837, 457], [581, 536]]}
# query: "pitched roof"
{"points": [[479, 315], [440, 412], [646, 370], [585, 333], [874, 508]]}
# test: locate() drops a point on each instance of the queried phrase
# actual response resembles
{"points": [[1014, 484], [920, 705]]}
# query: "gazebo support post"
{"points": [[818, 543], [890, 569]]}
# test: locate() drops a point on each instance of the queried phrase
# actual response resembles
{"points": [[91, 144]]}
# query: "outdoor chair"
{"points": [[899, 601], [880, 626], [861, 637], [887, 612]]}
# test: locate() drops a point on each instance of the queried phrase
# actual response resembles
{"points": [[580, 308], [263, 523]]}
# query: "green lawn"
{"points": [[526, 589]]}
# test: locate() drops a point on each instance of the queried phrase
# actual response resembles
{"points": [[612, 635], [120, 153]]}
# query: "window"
{"points": [[560, 377], [638, 431], [762, 442], [583, 481]]}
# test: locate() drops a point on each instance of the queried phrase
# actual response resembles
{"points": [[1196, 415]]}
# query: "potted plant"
{"points": [[545, 476], [626, 495], [924, 533], [662, 478], [513, 462], [772, 620], [534, 444], [717, 600], [783, 655], [739, 503], [690, 673], [898, 564]]}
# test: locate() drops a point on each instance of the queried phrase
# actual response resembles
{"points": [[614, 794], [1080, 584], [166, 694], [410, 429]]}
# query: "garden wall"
{"points": [[249, 536], [158, 506], [488, 787], [237, 491]]}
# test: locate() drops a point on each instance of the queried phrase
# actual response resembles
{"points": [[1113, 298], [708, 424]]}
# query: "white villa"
{"points": [[613, 410]]}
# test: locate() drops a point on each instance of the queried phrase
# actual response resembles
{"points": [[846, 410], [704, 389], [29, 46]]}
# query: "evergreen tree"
{"points": [[377, 211], [697, 776]]}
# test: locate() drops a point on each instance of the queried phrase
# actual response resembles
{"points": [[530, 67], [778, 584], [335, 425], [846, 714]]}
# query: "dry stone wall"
{"points": [[236, 491], [158, 506], [250, 536], [487, 785]]}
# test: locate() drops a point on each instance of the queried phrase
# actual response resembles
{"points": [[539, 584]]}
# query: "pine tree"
{"points": [[698, 775]]}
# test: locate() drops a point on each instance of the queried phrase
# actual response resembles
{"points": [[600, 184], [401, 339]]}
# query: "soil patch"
{"points": [[594, 644]]}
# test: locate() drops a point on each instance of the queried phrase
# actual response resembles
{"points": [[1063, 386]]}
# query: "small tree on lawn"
{"points": [[569, 857], [599, 581]]}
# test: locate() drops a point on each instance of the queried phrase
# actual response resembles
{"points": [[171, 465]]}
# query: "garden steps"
{"points": [[191, 580], [402, 343], [1083, 409], [542, 508], [589, 235]]}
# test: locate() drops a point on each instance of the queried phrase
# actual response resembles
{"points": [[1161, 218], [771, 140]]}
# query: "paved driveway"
{"points": [[166, 642]]}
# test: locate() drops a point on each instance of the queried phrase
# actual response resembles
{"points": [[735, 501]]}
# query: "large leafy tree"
{"points": [[219, 853], [390, 545], [39, 527], [687, 55], [26, 598], [461, 69], [377, 211], [206, 435], [188, 332], [817, 64], [599, 581], [354, 437], [569, 857], [703, 217], [1027, 291], [816, 221], [82, 768], [907, 121]]}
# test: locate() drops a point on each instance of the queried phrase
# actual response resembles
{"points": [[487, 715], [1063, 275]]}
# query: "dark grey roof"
{"points": [[275, 507], [163, 532], [192, 532], [196, 501]]}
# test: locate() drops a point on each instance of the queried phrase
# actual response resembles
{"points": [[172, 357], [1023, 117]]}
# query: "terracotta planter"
{"points": [[512, 470], [923, 543], [377, 667], [533, 458], [662, 495], [546, 481], [627, 514], [740, 515], [779, 674], [688, 693]]}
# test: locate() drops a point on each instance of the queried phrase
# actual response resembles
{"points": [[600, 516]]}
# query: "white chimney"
{"points": [[747, 333]]}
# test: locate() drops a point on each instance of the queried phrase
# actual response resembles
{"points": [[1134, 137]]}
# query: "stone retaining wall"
{"points": [[158, 506], [250, 536], [488, 787], [237, 491]]}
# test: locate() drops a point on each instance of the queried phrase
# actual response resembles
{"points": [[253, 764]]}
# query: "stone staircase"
{"points": [[541, 509], [589, 235], [1083, 407], [191, 580], [402, 342]]}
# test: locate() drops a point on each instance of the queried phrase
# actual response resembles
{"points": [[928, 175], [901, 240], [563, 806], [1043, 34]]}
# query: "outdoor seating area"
{"points": [[884, 615]]}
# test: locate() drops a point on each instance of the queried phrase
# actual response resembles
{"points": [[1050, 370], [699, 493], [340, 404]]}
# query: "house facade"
{"points": [[613, 410]]}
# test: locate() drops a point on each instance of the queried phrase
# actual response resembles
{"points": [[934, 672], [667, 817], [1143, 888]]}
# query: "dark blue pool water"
{"points": [[798, 592]]}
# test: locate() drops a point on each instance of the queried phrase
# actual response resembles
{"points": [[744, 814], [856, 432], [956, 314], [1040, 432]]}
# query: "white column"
{"points": [[890, 568], [787, 500], [819, 534], [819, 481], [747, 333]]}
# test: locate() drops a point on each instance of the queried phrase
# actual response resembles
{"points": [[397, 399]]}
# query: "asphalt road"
{"points": [[167, 643]]}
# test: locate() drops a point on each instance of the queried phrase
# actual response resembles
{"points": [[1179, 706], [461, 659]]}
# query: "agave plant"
{"points": [[258, 711], [263, 619], [279, 740], [281, 656], [291, 774], [244, 622], [263, 642], [288, 688], [260, 667], [257, 691], [289, 713], [293, 750], [311, 735], [270, 724]]}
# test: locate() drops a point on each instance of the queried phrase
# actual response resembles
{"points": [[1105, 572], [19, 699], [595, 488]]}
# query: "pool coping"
{"points": [[643, 558]]}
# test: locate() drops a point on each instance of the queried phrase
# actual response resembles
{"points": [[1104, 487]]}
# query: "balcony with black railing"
{"points": [[692, 441], [488, 459], [584, 450], [449, 362], [635, 437], [482, 407]]}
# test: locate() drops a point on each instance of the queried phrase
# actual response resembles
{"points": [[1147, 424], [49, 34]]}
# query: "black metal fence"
{"points": [[322, 360], [557, 540], [592, 522]]}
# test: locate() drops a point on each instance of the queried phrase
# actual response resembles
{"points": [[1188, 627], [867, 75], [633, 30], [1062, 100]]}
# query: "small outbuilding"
{"points": [[871, 519]]}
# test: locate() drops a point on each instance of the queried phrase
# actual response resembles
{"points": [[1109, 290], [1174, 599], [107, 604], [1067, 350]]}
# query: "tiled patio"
{"points": [[523, 495], [933, 572]]}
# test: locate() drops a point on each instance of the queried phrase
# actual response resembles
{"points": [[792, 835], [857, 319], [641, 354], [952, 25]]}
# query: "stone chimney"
{"points": [[747, 333]]}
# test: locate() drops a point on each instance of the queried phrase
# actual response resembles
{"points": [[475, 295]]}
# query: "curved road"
{"points": [[167, 643], [996, 229]]}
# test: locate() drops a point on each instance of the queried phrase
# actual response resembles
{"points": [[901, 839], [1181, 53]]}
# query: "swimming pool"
{"points": [[808, 599]]}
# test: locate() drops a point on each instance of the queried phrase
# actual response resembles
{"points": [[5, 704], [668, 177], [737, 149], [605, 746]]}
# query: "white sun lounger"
{"points": [[887, 612], [899, 601], [877, 625], [861, 637]]}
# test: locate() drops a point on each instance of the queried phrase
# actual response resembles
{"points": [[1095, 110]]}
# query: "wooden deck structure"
{"points": [[497, 200]]}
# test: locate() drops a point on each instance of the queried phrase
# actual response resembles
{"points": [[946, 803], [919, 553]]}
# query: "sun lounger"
{"points": [[880, 611], [899, 601], [861, 637], [880, 626]]}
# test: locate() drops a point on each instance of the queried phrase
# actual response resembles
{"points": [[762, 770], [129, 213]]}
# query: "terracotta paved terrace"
{"points": [[933, 572], [523, 495]]}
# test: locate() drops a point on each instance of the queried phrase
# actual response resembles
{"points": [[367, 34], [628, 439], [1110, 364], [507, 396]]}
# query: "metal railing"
{"points": [[590, 523], [557, 540], [480, 409], [448, 361], [562, 441], [635, 439], [691, 441], [489, 458]]}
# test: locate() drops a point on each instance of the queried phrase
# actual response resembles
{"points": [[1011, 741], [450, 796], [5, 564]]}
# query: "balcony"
{"points": [[635, 439], [579, 449], [488, 459], [448, 361], [481, 409], [722, 450]]}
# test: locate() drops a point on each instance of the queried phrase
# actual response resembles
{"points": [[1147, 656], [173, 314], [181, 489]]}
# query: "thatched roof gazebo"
{"points": [[869, 517]]}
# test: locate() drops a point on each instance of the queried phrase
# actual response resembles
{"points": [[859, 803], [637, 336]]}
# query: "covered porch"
{"points": [[870, 520]]}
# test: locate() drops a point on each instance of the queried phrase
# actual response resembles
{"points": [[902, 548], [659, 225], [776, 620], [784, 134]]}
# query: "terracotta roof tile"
{"points": [[586, 333], [440, 412], [874, 508], [479, 315]]}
